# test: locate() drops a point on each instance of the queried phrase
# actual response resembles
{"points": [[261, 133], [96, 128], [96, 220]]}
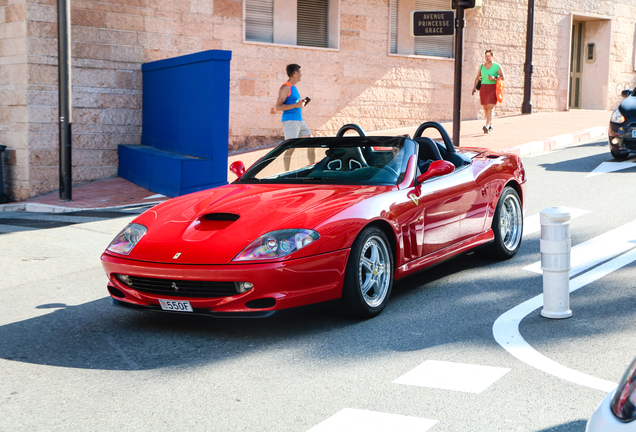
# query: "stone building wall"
{"points": [[357, 83], [13, 95]]}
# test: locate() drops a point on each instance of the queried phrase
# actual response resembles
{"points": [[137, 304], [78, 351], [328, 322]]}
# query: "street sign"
{"points": [[433, 23]]}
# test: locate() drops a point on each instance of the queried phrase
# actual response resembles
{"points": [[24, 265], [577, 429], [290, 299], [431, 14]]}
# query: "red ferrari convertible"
{"points": [[317, 220]]}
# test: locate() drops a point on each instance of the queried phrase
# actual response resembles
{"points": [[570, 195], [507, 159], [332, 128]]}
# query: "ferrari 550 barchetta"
{"points": [[331, 219]]}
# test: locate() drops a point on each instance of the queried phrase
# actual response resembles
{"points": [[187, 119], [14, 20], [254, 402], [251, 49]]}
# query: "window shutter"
{"points": [[259, 20], [312, 24], [393, 6], [437, 46]]}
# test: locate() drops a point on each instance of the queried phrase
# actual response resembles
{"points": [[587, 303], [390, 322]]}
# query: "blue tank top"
{"points": [[294, 97]]}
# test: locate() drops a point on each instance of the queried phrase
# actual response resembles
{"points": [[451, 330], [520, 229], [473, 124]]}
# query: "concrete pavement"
{"points": [[520, 134]]}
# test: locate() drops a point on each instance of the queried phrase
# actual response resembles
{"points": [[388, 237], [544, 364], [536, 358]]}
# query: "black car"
{"points": [[622, 127]]}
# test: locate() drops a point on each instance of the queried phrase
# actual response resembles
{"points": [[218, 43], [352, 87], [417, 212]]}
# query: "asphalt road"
{"points": [[70, 360]]}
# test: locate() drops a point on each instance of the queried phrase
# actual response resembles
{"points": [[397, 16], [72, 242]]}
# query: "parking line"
{"points": [[356, 420], [610, 167], [532, 224], [597, 250], [506, 329], [445, 375]]}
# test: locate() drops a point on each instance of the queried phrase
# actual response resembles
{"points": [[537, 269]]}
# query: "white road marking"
{"points": [[155, 196], [506, 329], [608, 167], [355, 420], [452, 376], [532, 224], [597, 250]]}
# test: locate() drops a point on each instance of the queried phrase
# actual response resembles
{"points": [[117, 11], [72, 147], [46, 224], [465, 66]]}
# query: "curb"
{"points": [[557, 141], [50, 208]]}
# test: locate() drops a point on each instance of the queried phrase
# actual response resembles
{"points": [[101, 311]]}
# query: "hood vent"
{"points": [[225, 217]]}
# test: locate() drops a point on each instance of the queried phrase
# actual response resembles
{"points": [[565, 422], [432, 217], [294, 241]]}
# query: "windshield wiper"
{"points": [[330, 179]]}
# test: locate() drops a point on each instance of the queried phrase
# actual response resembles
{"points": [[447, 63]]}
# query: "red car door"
{"points": [[449, 209]]}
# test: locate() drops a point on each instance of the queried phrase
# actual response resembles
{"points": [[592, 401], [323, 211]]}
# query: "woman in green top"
{"points": [[488, 74]]}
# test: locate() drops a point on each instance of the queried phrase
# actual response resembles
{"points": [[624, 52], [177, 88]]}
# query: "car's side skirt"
{"points": [[444, 254]]}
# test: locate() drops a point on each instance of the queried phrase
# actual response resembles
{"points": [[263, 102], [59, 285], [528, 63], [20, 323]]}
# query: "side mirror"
{"points": [[238, 168], [437, 169], [626, 93]]}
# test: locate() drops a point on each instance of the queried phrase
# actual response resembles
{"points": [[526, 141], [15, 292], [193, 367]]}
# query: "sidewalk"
{"points": [[521, 134]]}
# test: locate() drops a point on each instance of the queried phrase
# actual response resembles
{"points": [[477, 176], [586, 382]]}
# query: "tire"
{"points": [[369, 275], [619, 155], [507, 225]]}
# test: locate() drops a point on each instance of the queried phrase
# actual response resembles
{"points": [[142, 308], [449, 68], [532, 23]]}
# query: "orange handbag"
{"points": [[499, 91]]}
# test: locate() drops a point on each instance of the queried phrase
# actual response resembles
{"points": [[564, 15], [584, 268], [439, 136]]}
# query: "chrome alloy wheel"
{"points": [[373, 272], [511, 222]]}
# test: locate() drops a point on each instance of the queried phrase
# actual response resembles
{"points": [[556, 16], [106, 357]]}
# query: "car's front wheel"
{"points": [[507, 225], [369, 275], [619, 155]]}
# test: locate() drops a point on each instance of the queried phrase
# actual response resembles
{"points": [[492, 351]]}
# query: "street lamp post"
{"points": [[526, 107], [64, 97]]}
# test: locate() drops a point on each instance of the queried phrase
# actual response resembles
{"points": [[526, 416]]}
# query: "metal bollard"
{"points": [[555, 262]]}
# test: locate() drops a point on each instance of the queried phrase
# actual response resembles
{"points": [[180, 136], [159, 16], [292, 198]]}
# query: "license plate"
{"points": [[633, 133], [176, 305]]}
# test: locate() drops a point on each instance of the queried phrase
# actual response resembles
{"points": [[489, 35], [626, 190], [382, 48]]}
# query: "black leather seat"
{"points": [[428, 153], [344, 159]]}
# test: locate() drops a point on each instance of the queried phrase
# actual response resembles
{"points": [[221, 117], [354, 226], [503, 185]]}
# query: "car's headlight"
{"points": [[624, 401], [277, 244], [617, 117], [127, 239]]}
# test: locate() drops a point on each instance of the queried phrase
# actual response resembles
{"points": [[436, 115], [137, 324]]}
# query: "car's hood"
{"points": [[199, 227], [628, 106]]}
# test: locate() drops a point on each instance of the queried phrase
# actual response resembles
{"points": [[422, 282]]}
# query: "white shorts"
{"points": [[295, 129]]}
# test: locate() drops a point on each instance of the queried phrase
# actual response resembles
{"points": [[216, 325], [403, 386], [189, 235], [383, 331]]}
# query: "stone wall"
{"points": [[13, 96], [356, 83]]}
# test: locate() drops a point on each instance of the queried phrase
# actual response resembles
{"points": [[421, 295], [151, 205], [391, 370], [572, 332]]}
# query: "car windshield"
{"points": [[340, 160]]}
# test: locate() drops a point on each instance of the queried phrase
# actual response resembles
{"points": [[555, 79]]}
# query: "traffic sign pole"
{"points": [[460, 23]]}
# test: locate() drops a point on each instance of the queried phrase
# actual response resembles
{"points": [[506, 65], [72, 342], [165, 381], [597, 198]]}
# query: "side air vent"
{"points": [[226, 217]]}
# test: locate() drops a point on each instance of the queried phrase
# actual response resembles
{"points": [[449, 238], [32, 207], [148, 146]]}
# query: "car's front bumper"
{"points": [[276, 286], [603, 420], [622, 137]]}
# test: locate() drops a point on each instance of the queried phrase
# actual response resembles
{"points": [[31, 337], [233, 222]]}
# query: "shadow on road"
{"points": [[429, 309], [574, 426], [584, 164], [96, 335]]}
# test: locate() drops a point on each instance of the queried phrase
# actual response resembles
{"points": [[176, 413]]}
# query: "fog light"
{"points": [[243, 287], [125, 279], [615, 141]]}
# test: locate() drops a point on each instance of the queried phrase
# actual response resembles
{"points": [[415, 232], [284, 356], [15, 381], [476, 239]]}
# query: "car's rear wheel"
{"points": [[369, 275], [507, 225]]}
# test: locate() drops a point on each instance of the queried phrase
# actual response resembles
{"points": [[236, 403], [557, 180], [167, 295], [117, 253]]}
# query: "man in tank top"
{"points": [[291, 105]]}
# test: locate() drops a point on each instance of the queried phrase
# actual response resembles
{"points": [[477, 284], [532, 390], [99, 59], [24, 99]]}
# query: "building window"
{"points": [[259, 20], [393, 15], [401, 41], [313, 20], [293, 22]]}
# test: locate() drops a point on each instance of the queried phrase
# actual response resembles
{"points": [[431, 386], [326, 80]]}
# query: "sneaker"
{"points": [[490, 129], [485, 128]]}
